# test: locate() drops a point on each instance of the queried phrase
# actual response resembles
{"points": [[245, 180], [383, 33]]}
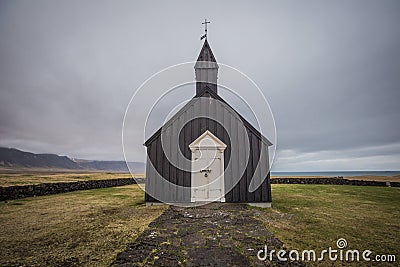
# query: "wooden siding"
{"points": [[188, 133]]}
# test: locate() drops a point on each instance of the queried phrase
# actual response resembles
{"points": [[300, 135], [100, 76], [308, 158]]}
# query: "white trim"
{"points": [[260, 204], [197, 145], [219, 146]]}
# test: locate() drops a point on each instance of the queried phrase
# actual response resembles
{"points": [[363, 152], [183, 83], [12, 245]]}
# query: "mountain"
{"points": [[112, 166], [14, 158], [11, 157]]}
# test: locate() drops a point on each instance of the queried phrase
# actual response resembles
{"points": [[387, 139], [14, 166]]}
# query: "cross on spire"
{"points": [[205, 29]]}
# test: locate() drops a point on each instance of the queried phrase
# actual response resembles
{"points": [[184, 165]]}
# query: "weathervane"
{"points": [[205, 29]]}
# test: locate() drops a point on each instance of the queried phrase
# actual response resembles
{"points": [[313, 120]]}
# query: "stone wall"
{"points": [[332, 181], [15, 192]]}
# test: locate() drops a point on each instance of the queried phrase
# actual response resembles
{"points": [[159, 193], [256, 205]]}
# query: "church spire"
{"points": [[206, 67]]}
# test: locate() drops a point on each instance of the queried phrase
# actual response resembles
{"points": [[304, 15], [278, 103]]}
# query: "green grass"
{"points": [[88, 228], [83, 228], [316, 216]]}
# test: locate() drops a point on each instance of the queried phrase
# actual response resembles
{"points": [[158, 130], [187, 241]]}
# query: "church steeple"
{"points": [[206, 67], [206, 70]]}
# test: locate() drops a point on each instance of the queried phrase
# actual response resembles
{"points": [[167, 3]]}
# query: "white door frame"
{"points": [[207, 141]]}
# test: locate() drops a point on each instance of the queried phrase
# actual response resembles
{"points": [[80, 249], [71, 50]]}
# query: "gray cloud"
{"points": [[330, 70]]}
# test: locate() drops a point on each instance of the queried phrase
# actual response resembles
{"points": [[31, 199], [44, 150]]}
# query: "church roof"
{"points": [[206, 53], [212, 94]]}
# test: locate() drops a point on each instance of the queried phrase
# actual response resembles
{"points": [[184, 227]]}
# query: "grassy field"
{"points": [[88, 228], [316, 216], [83, 228], [11, 177]]}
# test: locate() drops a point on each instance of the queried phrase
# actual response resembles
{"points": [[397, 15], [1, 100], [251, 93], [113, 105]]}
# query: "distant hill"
{"points": [[112, 166], [14, 158]]}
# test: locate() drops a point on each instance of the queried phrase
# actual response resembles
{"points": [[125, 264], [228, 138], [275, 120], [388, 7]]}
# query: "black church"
{"points": [[207, 151]]}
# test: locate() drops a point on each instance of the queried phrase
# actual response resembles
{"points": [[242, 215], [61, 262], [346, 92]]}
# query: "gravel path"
{"points": [[217, 234]]}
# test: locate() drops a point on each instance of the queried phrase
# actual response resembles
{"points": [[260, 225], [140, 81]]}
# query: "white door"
{"points": [[207, 168]]}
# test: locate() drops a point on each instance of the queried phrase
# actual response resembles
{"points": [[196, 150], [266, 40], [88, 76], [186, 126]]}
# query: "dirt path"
{"points": [[218, 234]]}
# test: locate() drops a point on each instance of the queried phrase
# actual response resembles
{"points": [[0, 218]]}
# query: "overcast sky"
{"points": [[329, 69]]}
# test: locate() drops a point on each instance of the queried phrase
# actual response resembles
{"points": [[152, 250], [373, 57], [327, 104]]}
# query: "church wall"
{"points": [[157, 160]]}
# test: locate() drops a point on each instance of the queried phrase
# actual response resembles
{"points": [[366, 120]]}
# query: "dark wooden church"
{"points": [[207, 151]]}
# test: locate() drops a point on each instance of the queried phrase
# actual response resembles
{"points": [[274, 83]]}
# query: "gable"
{"points": [[207, 140], [191, 104]]}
